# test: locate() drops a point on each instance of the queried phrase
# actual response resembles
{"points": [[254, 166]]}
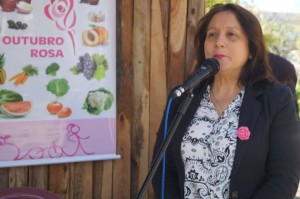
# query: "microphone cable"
{"points": [[164, 156]]}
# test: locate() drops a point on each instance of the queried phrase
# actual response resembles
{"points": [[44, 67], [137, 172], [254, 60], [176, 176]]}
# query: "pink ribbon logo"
{"points": [[63, 14]]}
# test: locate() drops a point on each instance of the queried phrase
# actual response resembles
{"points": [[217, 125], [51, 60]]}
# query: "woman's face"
{"points": [[227, 41]]}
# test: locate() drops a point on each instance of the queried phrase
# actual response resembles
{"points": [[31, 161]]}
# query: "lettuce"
{"points": [[58, 87]]}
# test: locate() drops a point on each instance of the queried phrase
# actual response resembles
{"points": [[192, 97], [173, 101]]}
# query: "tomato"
{"points": [[54, 107], [65, 112]]}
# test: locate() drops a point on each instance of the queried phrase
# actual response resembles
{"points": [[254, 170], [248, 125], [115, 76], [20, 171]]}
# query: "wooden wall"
{"points": [[154, 54]]}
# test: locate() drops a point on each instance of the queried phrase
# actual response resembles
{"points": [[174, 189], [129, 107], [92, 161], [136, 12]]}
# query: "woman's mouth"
{"points": [[219, 56]]}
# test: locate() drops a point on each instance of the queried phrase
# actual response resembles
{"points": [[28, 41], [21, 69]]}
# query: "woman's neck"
{"points": [[223, 92], [226, 86]]}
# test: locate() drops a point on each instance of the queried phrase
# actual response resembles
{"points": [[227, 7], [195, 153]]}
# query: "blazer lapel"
{"points": [[248, 115]]}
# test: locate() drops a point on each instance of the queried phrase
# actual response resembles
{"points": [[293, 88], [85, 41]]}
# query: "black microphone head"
{"points": [[208, 68], [213, 64]]}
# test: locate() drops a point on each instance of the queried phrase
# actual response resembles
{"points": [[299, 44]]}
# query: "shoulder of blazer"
{"points": [[268, 101], [271, 90]]}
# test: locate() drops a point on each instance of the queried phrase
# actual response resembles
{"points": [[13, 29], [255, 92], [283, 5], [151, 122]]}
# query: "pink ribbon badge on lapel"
{"points": [[243, 133]]}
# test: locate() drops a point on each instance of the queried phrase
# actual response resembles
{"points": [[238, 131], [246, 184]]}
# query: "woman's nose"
{"points": [[220, 41]]}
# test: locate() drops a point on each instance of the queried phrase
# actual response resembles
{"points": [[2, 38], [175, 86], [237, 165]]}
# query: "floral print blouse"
{"points": [[208, 149]]}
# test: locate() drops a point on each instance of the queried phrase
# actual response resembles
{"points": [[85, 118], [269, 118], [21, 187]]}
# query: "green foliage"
{"points": [[58, 87], [298, 43], [2, 60], [277, 35], [100, 60], [269, 39], [30, 70], [210, 3], [102, 66]]}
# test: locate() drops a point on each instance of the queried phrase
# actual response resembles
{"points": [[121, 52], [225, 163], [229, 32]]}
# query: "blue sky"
{"points": [[290, 6]]}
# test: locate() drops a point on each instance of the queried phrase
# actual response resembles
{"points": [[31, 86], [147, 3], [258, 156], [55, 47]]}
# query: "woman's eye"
{"points": [[231, 34], [211, 34]]}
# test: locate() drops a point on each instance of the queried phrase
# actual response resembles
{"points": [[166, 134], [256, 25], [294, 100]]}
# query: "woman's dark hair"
{"points": [[257, 67], [285, 72]]}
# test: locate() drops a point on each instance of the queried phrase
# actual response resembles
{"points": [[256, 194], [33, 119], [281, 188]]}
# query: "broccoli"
{"points": [[52, 69], [98, 100]]}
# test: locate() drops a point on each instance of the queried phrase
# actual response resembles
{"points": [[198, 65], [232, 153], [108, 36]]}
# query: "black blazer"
{"points": [[266, 166]]}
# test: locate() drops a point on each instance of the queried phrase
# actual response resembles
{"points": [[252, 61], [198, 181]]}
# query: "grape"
{"points": [[87, 73], [90, 65], [86, 65], [87, 56], [79, 67], [81, 59]]}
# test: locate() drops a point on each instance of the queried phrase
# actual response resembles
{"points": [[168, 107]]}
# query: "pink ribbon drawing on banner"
{"points": [[63, 14], [54, 150]]}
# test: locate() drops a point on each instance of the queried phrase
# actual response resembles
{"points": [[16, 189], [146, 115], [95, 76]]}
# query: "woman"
{"points": [[240, 136]]}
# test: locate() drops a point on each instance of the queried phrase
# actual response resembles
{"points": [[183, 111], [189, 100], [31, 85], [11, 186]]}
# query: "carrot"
{"points": [[24, 79], [15, 76], [19, 79]]}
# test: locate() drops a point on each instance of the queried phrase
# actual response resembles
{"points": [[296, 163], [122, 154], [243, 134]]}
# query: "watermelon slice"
{"points": [[15, 109]]}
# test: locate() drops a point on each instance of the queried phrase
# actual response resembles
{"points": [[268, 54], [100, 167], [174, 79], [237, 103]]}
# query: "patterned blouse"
{"points": [[208, 149]]}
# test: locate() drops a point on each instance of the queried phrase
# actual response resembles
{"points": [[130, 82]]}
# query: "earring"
{"points": [[250, 56]]}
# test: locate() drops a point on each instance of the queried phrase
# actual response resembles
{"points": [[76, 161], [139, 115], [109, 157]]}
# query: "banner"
{"points": [[57, 81]]}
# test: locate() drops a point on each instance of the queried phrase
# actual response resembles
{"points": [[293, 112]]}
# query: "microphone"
{"points": [[208, 68]]}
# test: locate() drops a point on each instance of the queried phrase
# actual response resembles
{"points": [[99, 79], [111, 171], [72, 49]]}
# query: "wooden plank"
{"points": [[102, 179], [97, 179], [38, 177], [83, 176], [18, 177], [121, 168], [196, 10], [158, 71], [177, 41], [70, 194], [3, 178], [59, 179], [107, 180], [141, 66]]}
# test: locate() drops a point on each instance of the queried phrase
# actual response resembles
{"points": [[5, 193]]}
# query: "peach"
{"points": [[102, 33], [90, 37]]}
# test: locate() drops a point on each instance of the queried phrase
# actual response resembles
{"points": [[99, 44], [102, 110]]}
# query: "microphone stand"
{"points": [[179, 115]]}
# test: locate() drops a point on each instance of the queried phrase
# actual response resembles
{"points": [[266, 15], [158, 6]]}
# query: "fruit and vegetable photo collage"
{"points": [[57, 80]]}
